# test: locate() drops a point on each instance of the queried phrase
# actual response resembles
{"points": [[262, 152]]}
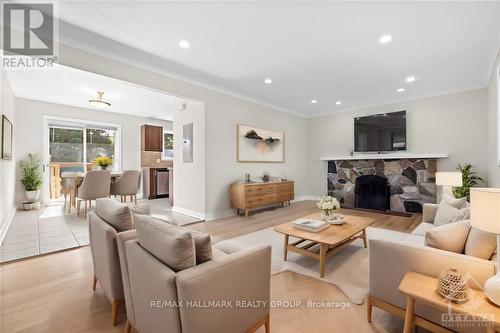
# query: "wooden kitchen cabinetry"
{"points": [[255, 195], [151, 138]]}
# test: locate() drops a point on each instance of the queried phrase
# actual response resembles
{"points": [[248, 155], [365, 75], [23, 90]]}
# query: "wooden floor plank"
{"points": [[53, 293]]}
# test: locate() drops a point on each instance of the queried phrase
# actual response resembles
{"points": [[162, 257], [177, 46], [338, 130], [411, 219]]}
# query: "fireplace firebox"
{"points": [[372, 192]]}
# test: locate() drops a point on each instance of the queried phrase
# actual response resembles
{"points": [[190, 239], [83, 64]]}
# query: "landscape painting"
{"points": [[260, 145]]}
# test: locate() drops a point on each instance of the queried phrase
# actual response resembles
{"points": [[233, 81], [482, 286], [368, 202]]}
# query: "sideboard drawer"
{"points": [[286, 187], [257, 190], [262, 200], [282, 197]]}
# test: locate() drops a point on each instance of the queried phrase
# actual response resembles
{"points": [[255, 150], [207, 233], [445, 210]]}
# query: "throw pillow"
{"points": [[172, 246], [115, 214], [449, 210], [143, 209], [203, 245], [449, 237], [457, 203], [480, 244]]}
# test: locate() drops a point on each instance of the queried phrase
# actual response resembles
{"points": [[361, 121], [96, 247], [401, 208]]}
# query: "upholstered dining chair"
{"points": [[95, 185], [66, 188], [127, 184]]}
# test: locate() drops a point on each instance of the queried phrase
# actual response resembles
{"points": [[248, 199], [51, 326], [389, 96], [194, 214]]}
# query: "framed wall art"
{"points": [[6, 138], [260, 145]]}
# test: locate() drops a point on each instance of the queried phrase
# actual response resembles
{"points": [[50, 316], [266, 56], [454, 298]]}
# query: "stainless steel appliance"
{"points": [[155, 183]]}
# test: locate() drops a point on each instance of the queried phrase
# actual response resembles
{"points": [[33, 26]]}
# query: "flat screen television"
{"points": [[383, 132]]}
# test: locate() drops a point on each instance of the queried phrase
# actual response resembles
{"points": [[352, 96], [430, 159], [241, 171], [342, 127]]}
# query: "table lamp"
{"points": [[448, 180], [485, 215]]}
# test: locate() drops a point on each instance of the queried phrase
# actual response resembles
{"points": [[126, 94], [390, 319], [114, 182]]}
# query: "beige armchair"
{"points": [[151, 288], [391, 257], [127, 184], [105, 225], [95, 185]]}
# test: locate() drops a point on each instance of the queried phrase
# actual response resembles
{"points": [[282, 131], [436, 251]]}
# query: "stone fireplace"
{"points": [[411, 182]]}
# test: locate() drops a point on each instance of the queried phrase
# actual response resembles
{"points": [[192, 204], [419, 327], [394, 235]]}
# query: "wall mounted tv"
{"points": [[380, 132]]}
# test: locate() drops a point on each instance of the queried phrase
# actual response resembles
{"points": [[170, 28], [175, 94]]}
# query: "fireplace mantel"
{"points": [[383, 156]]}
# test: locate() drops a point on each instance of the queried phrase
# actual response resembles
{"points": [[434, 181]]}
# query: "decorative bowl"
{"points": [[336, 219]]}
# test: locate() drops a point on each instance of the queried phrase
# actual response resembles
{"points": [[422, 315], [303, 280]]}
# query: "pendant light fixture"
{"points": [[99, 102]]}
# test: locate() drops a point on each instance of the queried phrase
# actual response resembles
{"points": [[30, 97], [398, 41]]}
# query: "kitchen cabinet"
{"points": [[151, 138]]}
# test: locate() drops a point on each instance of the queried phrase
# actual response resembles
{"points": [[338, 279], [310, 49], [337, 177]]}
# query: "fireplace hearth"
{"points": [[409, 183]]}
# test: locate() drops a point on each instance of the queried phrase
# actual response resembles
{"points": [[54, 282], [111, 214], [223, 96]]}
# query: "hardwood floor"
{"points": [[53, 293], [236, 225]]}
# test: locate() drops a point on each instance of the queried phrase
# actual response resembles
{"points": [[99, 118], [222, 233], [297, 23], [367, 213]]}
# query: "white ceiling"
{"points": [[74, 87], [327, 51]]}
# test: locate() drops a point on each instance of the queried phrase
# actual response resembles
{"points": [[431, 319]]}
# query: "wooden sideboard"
{"points": [[256, 195]]}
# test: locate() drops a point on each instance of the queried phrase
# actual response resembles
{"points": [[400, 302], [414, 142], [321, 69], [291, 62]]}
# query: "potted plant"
{"points": [[103, 162], [469, 179], [31, 177]]}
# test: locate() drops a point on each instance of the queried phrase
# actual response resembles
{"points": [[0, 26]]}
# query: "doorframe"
{"points": [[45, 157]]}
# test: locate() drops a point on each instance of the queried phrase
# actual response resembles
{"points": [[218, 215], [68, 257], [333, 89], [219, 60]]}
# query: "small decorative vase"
{"points": [[32, 196], [326, 216], [101, 167], [452, 286]]}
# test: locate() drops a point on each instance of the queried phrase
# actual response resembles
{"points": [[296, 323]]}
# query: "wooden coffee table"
{"points": [[330, 240]]}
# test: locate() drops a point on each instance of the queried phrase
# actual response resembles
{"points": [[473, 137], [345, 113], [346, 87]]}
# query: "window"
{"points": [[498, 115], [100, 142], [74, 145], [168, 145]]}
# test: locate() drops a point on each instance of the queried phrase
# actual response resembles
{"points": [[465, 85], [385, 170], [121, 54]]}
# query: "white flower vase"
{"points": [[326, 216], [101, 167], [32, 196]]}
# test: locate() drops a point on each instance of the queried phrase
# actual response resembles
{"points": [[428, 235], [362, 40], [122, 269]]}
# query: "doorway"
{"points": [[72, 145]]}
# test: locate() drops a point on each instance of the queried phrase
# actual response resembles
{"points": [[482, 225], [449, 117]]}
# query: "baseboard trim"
{"points": [[306, 197], [188, 212], [6, 224], [220, 215]]}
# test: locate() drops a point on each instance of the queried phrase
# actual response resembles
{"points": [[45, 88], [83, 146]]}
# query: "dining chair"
{"points": [[95, 185], [66, 189], [127, 184]]}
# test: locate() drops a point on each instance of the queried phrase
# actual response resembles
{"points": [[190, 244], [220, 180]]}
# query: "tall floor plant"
{"points": [[469, 179]]}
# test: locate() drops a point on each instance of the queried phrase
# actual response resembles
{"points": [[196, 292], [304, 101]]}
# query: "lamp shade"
{"points": [[449, 179], [485, 209]]}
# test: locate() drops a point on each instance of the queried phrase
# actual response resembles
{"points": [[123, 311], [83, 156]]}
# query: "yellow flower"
{"points": [[103, 161]]}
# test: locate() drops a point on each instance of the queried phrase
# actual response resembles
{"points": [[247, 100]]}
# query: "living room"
{"points": [[286, 93]]}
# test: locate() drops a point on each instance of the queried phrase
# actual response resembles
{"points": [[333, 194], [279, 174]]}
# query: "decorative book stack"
{"points": [[310, 225]]}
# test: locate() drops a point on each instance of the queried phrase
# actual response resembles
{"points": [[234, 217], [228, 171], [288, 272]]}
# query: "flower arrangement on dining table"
{"points": [[328, 205], [103, 162]]}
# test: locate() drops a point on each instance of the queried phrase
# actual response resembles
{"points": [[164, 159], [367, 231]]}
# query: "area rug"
{"points": [[347, 269]]}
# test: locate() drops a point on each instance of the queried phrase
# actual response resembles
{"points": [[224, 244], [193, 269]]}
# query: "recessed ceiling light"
{"points": [[385, 39], [268, 81], [410, 79], [338, 102], [313, 101], [184, 44], [401, 89]]}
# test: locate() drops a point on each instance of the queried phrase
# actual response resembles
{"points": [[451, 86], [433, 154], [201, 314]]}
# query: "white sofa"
{"points": [[393, 254]]}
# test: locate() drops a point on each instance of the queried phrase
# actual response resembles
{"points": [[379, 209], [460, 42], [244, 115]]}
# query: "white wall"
{"points": [[222, 113], [29, 131], [493, 123], [189, 177], [454, 124], [7, 167]]}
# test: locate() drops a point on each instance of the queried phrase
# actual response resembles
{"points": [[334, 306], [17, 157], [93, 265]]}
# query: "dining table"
{"points": [[75, 179]]}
